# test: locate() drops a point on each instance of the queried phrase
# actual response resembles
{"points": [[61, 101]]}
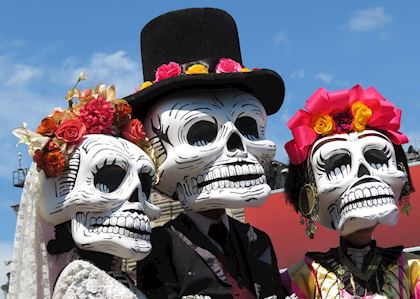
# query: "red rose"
{"points": [[134, 132], [47, 127], [39, 159], [166, 71], [227, 65], [54, 163], [71, 131], [122, 113]]}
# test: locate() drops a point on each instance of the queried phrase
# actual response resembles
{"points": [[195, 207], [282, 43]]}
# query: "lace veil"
{"points": [[34, 271]]}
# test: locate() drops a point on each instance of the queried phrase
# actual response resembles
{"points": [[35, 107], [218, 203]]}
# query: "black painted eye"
{"points": [[146, 183], [108, 178], [338, 166], [377, 158], [202, 133], [248, 127]]}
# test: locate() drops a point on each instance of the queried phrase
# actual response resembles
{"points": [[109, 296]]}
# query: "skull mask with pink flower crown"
{"points": [[347, 167]]}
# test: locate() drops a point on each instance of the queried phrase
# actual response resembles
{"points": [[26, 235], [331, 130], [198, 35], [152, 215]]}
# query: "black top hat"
{"points": [[199, 35]]}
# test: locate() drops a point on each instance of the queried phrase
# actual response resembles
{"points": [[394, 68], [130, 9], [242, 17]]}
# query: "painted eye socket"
{"points": [[338, 166], [248, 127], [377, 158], [202, 133], [146, 181], [108, 178]]}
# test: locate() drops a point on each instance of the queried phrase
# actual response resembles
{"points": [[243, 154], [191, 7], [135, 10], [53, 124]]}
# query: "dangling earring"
{"points": [[404, 200], [308, 206]]}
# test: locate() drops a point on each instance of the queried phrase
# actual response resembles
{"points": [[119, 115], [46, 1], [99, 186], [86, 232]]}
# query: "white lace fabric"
{"points": [[33, 271]]}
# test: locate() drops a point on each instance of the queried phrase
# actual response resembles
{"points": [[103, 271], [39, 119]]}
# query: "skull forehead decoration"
{"points": [[210, 148], [357, 179], [104, 192]]}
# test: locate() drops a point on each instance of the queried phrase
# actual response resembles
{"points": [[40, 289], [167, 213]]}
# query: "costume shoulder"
{"points": [[81, 279], [413, 272], [299, 280]]}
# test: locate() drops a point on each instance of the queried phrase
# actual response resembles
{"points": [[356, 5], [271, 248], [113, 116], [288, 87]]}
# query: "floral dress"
{"points": [[386, 273]]}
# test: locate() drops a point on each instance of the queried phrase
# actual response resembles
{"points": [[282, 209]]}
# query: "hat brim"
{"points": [[266, 85]]}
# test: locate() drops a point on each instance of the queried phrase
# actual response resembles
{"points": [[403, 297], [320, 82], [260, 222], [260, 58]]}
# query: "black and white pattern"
{"points": [[210, 148], [357, 179], [104, 192]]}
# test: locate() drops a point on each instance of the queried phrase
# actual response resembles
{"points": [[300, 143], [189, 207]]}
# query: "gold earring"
{"points": [[404, 200], [308, 207]]}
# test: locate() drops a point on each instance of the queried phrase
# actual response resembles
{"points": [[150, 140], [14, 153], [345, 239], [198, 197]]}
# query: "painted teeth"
{"points": [[367, 203]]}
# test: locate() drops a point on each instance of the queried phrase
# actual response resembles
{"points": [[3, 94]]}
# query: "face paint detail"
{"points": [[104, 192], [357, 179], [215, 148]]}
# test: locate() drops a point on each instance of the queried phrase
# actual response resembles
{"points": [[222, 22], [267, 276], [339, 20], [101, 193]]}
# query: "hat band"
{"points": [[199, 67]]}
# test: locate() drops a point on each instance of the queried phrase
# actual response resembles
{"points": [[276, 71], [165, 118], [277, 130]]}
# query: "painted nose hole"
{"points": [[235, 143], [134, 196], [362, 171]]}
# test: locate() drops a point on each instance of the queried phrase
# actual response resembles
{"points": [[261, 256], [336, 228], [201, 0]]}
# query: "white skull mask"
{"points": [[210, 147], [104, 192], [358, 181]]}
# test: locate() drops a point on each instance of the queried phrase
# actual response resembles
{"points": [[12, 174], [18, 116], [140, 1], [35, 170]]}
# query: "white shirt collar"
{"points": [[203, 223]]}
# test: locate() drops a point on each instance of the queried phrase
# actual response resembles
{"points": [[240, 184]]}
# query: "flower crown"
{"points": [[173, 69], [92, 111], [339, 112]]}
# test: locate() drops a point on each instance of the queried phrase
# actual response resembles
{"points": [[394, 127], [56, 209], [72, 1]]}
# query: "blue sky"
{"points": [[331, 44]]}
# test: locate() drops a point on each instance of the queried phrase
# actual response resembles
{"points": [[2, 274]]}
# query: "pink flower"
{"points": [[166, 71], [134, 131], [98, 116], [227, 65], [385, 117]]}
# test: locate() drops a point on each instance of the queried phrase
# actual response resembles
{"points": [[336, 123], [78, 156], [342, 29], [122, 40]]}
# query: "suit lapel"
{"points": [[184, 228]]}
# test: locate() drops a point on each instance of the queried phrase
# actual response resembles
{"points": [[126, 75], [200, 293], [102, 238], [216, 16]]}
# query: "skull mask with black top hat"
{"points": [[205, 113]]}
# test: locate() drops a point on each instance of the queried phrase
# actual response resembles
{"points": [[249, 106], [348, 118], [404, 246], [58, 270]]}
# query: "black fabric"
{"points": [[201, 35], [219, 233], [175, 269]]}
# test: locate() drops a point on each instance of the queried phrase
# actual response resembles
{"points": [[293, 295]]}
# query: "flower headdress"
{"points": [[345, 111], [92, 111], [173, 69]]}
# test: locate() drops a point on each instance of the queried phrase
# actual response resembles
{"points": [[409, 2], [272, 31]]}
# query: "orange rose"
{"points": [[361, 115], [54, 162], [323, 124], [134, 131], [71, 131], [47, 126]]}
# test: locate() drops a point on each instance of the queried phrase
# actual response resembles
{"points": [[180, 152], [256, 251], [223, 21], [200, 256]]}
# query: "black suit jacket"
{"points": [[183, 262]]}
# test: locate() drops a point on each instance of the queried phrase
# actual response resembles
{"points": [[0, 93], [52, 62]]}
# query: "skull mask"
{"points": [[210, 147], [357, 180], [104, 192]]}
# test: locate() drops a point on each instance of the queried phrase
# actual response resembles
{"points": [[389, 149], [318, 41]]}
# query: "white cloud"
{"points": [[324, 77], [110, 68], [280, 38], [6, 251], [298, 74], [369, 19], [22, 74]]}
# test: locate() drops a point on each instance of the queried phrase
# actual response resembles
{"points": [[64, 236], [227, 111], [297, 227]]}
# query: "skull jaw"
{"points": [[233, 198], [120, 239], [360, 219]]}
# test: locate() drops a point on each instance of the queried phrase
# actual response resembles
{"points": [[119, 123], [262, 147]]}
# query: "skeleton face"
{"points": [[357, 179], [210, 148], [104, 192]]}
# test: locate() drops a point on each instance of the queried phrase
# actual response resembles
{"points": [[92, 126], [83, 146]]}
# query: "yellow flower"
{"points": [[323, 124], [197, 69], [145, 85], [361, 115], [245, 70]]}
